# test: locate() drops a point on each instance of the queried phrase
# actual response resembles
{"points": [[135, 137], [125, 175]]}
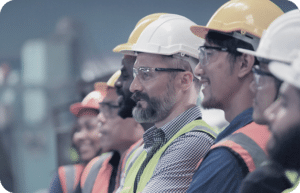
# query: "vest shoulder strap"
{"points": [[211, 131], [149, 169], [249, 143], [69, 176], [90, 172]]}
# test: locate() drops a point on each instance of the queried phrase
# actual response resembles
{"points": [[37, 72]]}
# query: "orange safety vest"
{"points": [[98, 170], [249, 143], [69, 176]]}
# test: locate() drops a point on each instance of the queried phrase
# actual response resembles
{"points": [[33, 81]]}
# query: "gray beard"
{"points": [[156, 110]]}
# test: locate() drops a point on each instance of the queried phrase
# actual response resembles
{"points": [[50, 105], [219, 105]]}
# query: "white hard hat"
{"points": [[168, 34], [281, 37], [288, 73]]}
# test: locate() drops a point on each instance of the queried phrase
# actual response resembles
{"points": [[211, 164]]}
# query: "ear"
{"points": [[245, 65], [186, 80]]}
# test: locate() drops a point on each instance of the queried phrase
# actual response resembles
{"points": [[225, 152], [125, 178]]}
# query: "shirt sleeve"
{"points": [[219, 172], [175, 169], [55, 186]]}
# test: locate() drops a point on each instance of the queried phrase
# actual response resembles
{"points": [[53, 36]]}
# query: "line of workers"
{"points": [[142, 131]]}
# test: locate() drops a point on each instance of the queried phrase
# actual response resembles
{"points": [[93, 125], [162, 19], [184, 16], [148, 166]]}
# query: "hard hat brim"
{"points": [[285, 73], [123, 47], [201, 31], [251, 52], [77, 107], [257, 54]]}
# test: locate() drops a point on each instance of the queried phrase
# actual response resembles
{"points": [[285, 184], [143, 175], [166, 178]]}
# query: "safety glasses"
{"points": [[208, 54], [147, 73], [108, 109], [261, 78]]}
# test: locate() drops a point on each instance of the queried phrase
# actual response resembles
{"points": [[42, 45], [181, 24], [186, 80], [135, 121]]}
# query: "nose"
{"points": [[82, 134], [118, 84], [135, 85], [101, 118], [270, 112], [198, 72]]}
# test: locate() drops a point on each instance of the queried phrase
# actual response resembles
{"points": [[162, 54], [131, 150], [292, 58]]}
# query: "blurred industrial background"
{"points": [[51, 53]]}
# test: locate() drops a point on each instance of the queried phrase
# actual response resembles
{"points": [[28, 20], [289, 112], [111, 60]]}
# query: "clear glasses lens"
{"points": [[143, 73], [207, 55]]}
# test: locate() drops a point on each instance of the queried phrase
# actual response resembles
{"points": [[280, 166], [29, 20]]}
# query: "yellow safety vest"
{"points": [[196, 125]]}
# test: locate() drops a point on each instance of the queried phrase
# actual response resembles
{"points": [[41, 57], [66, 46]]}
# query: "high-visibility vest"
{"points": [[69, 176], [122, 169], [196, 125], [248, 143], [97, 170]]}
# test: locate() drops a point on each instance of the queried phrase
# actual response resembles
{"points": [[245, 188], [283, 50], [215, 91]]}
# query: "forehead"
{"points": [[111, 95], [150, 60], [85, 118], [128, 62]]}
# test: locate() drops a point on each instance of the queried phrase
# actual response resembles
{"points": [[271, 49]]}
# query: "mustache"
{"points": [[139, 95]]}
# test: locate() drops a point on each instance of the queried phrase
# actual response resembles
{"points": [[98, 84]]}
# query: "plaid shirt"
{"points": [[175, 169]]}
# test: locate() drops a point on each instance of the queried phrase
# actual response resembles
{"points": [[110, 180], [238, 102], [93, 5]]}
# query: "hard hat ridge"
{"points": [[288, 73], [168, 34], [248, 18], [280, 39]]}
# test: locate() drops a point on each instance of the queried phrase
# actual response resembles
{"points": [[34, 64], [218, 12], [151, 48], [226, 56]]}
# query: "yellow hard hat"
{"points": [[248, 17], [135, 34]]}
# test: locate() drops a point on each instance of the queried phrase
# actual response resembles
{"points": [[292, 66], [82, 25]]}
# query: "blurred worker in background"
{"points": [[226, 75], [102, 174], [278, 43], [86, 141], [166, 95]]}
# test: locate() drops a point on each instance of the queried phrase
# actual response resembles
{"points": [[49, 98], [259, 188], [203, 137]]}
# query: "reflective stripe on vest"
{"points": [[149, 169], [130, 152], [249, 142], [91, 171], [103, 178], [69, 176]]}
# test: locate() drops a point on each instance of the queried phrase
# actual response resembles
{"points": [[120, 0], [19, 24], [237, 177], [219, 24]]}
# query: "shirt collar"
{"points": [[238, 122], [171, 128]]}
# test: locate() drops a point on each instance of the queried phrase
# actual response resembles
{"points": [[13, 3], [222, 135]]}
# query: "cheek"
{"points": [[95, 136], [265, 98], [75, 139]]}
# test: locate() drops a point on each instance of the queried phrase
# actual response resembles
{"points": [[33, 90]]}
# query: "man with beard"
{"points": [[166, 94], [276, 44], [284, 116], [226, 75]]}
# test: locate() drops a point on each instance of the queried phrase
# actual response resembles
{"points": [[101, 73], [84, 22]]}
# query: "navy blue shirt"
{"points": [[55, 186], [220, 171]]}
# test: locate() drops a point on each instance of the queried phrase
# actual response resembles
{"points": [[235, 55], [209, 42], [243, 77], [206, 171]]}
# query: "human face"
{"points": [[117, 133], [122, 85], [284, 122], [264, 88], [218, 79], [156, 95], [86, 137]]}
